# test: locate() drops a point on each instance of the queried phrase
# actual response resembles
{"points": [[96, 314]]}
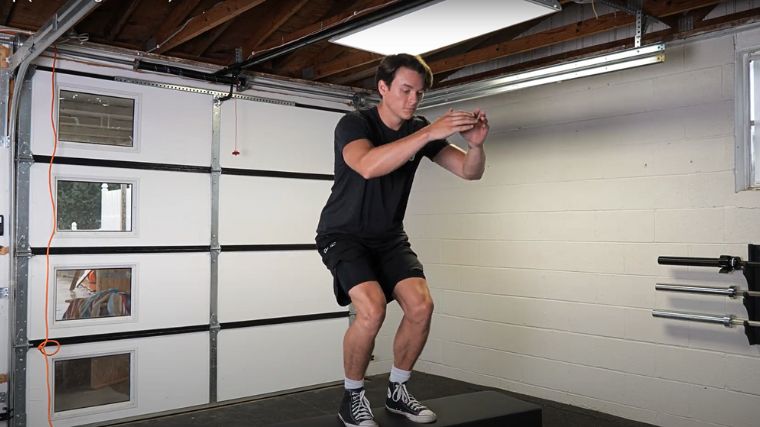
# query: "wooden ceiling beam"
{"points": [[659, 8], [716, 24], [122, 16], [6, 10], [488, 53], [664, 8], [733, 20], [210, 38], [357, 60], [219, 14], [500, 36], [301, 63], [695, 16], [362, 61], [276, 17], [547, 38], [179, 13], [354, 77], [329, 22]]}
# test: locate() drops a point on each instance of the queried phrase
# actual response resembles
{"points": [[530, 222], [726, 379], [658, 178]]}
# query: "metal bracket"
{"points": [[4, 293], [68, 15], [641, 27], [634, 7]]}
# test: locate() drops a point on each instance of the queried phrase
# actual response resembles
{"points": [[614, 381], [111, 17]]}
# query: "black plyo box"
{"points": [[479, 409]]}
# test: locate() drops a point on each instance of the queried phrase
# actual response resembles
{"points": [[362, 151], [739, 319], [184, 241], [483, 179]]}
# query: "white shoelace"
{"points": [[400, 393], [360, 407]]}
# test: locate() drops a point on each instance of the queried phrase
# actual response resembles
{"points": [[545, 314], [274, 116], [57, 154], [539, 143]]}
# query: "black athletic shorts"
{"points": [[353, 260]]}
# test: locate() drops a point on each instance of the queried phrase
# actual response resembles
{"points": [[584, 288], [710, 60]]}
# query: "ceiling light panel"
{"points": [[443, 23]]}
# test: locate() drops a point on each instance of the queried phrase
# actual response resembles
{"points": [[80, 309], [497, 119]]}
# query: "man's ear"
{"points": [[382, 88]]}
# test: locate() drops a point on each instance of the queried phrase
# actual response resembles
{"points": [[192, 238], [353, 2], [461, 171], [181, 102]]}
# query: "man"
{"points": [[361, 236]]}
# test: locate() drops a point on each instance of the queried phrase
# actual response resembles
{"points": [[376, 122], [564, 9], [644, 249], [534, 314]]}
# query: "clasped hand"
{"points": [[473, 126]]}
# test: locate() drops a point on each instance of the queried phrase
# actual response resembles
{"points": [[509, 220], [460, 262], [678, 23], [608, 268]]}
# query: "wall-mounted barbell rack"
{"points": [[726, 264]]}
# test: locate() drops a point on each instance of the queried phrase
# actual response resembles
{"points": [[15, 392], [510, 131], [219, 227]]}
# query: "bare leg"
{"points": [[359, 341], [414, 298]]}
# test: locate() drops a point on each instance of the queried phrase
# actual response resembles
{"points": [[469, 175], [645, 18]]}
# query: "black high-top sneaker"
{"points": [[400, 401], [355, 411]]}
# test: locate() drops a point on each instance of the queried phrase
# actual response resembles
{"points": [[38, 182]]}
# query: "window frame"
{"points": [[746, 155], [100, 180], [95, 321], [107, 408], [95, 90]]}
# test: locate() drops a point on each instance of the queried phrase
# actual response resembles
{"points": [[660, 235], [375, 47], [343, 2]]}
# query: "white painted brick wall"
{"points": [[544, 271]]}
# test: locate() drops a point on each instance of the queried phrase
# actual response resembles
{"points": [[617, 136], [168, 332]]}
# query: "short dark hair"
{"points": [[386, 71]]}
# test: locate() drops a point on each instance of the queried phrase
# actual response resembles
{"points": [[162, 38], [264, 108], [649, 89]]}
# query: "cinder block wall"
{"points": [[544, 271]]}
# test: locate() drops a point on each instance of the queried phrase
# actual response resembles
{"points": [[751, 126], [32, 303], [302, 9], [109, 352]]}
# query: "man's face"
{"points": [[404, 94]]}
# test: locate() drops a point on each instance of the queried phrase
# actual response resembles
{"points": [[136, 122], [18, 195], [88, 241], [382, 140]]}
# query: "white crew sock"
{"points": [[350, 384], [400, 375]]}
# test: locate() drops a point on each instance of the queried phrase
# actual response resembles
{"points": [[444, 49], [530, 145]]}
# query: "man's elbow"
{"points": [[472, 176], [367, 172]]}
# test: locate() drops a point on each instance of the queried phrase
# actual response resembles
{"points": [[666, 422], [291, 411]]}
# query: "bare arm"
{"points": [[371, 162], [471, 164]]}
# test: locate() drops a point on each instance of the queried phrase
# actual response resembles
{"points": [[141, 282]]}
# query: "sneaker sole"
{"points": [[374, 424], [415, 418]]}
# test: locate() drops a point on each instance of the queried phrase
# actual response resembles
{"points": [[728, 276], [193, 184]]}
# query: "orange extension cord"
{"points": [[45, 342]]}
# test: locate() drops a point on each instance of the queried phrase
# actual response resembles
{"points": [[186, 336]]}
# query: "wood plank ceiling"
{"points": [[211, 31]]}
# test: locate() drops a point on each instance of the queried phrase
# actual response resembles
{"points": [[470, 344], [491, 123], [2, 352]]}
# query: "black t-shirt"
{"points": [[371, 207]]}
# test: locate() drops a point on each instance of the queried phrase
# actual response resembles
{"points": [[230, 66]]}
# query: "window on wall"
{"points": [[93, 293], [92, 118], [92, 381], [754, 121], [747, 146], [93, 206]]}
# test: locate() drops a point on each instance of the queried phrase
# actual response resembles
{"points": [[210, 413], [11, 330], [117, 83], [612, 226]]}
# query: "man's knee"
{"points": [[420, 311], [369, 303], [414, 297], [371, 316]]}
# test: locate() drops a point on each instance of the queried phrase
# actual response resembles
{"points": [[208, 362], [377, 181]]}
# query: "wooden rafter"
{"points": [[664, 8], [716, 24], [329, 52], [328, 22], [210, 38], [360, 65], [747, 17], [274, 18], [359, 59], [500, 50], [219, 14], [293, 64], [551, 37], [354, 77], [179, 13], [6, 9], [566, 33], [696, 16], [126, 9], [500, 36]]}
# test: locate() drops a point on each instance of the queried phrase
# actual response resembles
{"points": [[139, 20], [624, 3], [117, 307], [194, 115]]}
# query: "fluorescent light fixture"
{"points": [[572, 70], [443, 23]]}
